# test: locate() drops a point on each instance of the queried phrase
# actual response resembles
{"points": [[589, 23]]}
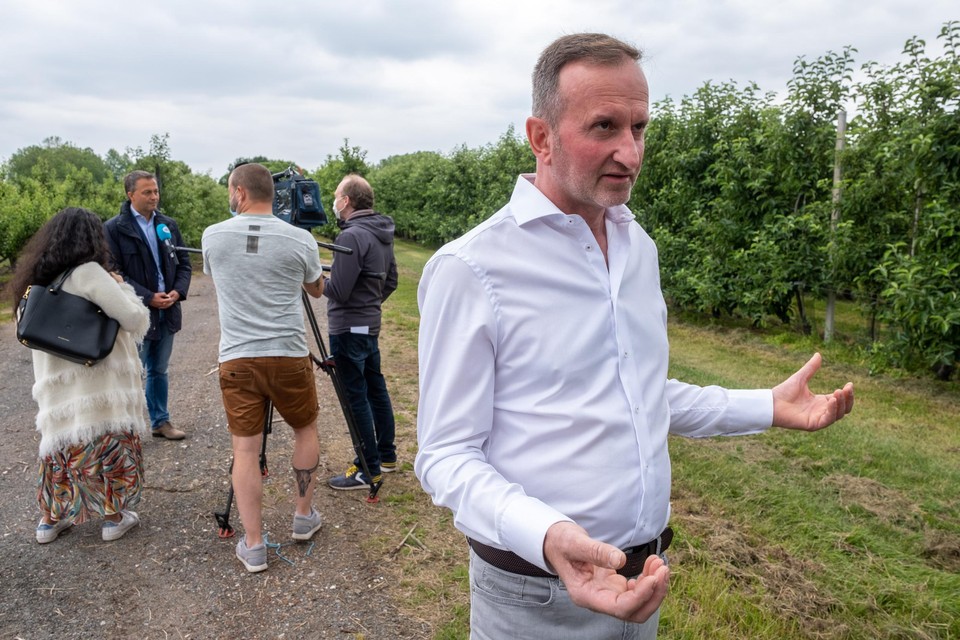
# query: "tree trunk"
{"points": [[805, 327], [917, 205], [834, 219]]}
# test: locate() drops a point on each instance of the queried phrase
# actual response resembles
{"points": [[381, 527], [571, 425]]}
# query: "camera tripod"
{"points": [[324, 362]]}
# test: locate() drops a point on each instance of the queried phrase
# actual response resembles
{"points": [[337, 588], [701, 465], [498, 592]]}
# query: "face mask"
{"points": [[336, 212], [234, 203]]}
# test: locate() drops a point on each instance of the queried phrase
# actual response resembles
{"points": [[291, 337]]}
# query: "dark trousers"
{"points": [[357, 358]]}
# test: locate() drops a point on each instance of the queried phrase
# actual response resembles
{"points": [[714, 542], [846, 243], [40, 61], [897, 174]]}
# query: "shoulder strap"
{"points": [[58, 281]]}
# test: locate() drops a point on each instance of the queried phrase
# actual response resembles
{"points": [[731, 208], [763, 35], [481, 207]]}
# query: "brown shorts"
{"points": [[247, 383]]}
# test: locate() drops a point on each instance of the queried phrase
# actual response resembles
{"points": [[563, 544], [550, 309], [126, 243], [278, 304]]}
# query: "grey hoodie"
{"points": [[361, 281]]}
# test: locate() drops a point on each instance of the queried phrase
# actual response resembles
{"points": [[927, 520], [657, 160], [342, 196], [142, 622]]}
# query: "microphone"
{"points": [[163, 233]]}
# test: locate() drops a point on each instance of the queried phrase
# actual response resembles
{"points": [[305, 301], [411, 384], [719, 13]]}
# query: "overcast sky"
{"points": [[231, 78]]}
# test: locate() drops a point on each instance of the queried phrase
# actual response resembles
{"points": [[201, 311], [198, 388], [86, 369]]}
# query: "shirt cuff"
{"points": [[752, 408], [523, 528]]}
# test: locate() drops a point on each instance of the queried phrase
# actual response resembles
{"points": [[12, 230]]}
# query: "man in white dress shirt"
{"points": [[544, 402]]}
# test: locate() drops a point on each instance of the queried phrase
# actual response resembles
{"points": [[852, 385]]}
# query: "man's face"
{"points": [[339, 202], [595, 149], [145, 196]]}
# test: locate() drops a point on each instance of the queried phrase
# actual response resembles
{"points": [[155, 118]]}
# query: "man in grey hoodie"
{"points": [[359, 283]]}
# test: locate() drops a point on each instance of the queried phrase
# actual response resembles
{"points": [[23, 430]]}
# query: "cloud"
{"points": [[292, 80]]}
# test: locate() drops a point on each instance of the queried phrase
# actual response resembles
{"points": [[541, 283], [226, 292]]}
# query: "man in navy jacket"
{"points": [[142, 241]]}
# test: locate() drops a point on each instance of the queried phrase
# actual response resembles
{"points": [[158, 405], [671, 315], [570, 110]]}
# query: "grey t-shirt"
{"points": [[259, 264]]}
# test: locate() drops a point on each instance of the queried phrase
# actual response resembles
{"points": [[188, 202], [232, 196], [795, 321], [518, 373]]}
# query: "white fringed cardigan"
{"points": [[78, 403]]}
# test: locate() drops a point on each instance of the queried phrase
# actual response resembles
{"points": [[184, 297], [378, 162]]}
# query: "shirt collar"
{"points": [[142, 219], [528, 203]]}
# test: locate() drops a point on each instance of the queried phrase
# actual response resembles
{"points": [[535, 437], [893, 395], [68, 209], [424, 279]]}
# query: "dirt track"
{"points": [[173, 577]]}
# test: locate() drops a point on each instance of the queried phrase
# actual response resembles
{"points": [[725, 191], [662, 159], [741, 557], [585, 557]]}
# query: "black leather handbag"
{"points": [[62, 324]]}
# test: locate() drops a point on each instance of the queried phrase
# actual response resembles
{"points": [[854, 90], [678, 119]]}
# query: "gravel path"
{"points": [[173, 577]]}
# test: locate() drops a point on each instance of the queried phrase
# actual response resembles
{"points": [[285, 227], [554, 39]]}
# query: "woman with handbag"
{"points": [[90, 417]]}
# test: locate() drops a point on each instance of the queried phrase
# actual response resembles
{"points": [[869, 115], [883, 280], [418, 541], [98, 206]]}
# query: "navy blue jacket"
{"points": [[133, 260]]}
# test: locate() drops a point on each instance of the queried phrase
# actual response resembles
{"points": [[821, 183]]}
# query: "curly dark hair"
{"points": [[70, 238]]}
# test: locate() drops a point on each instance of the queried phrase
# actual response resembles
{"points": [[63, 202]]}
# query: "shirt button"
{"points": [[589, 247]]}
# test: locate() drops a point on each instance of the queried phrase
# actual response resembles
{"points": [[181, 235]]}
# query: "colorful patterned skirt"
{"points": [[92, 480]]}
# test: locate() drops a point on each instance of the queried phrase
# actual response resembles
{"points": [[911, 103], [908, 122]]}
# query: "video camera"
{"points": [[296, 199]]}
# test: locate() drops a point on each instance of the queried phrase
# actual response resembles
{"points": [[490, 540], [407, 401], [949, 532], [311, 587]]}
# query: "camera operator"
{"points": [[359, 283], [259, 264]]}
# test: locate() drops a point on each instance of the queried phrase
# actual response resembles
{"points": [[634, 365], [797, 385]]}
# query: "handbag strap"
{"points": [[58, 281]]}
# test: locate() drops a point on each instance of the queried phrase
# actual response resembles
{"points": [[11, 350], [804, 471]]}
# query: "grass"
{"points": [[848, 533], [856, 529]]}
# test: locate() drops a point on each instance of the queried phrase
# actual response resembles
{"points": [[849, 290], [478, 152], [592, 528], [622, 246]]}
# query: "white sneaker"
{"points": [[115, 530], [49, 532]]}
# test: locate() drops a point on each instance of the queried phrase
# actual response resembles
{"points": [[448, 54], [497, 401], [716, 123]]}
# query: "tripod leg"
{"points": [[326, 363], [224, 530], [352, 428], [267, 429]]}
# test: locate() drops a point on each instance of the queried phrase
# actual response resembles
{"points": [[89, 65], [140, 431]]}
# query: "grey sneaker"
{"points": [[115, 530], [253, 558], [305, 526]]}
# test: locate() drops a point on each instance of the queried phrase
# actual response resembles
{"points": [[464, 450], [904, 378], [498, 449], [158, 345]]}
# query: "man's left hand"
{"points": [[796, 407]]}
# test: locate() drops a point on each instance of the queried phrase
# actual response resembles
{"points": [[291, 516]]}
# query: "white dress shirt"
{"points": [[543, 380]]}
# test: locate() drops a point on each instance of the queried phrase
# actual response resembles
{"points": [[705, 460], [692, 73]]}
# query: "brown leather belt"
{"points": [[509, 561]]}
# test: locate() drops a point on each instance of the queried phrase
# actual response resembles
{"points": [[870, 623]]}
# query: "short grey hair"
{"points": [[595, 48], [130, 180]]}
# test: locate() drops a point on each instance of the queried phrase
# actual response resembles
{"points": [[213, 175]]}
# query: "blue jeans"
{"points": [[357, 359], [507, 605], [155, 356]]}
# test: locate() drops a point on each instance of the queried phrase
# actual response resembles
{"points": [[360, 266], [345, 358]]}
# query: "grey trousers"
{"points": [[505, 605]]}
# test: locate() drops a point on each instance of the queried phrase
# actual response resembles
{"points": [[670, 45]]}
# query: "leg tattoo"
{"points": [[304, 476]]}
